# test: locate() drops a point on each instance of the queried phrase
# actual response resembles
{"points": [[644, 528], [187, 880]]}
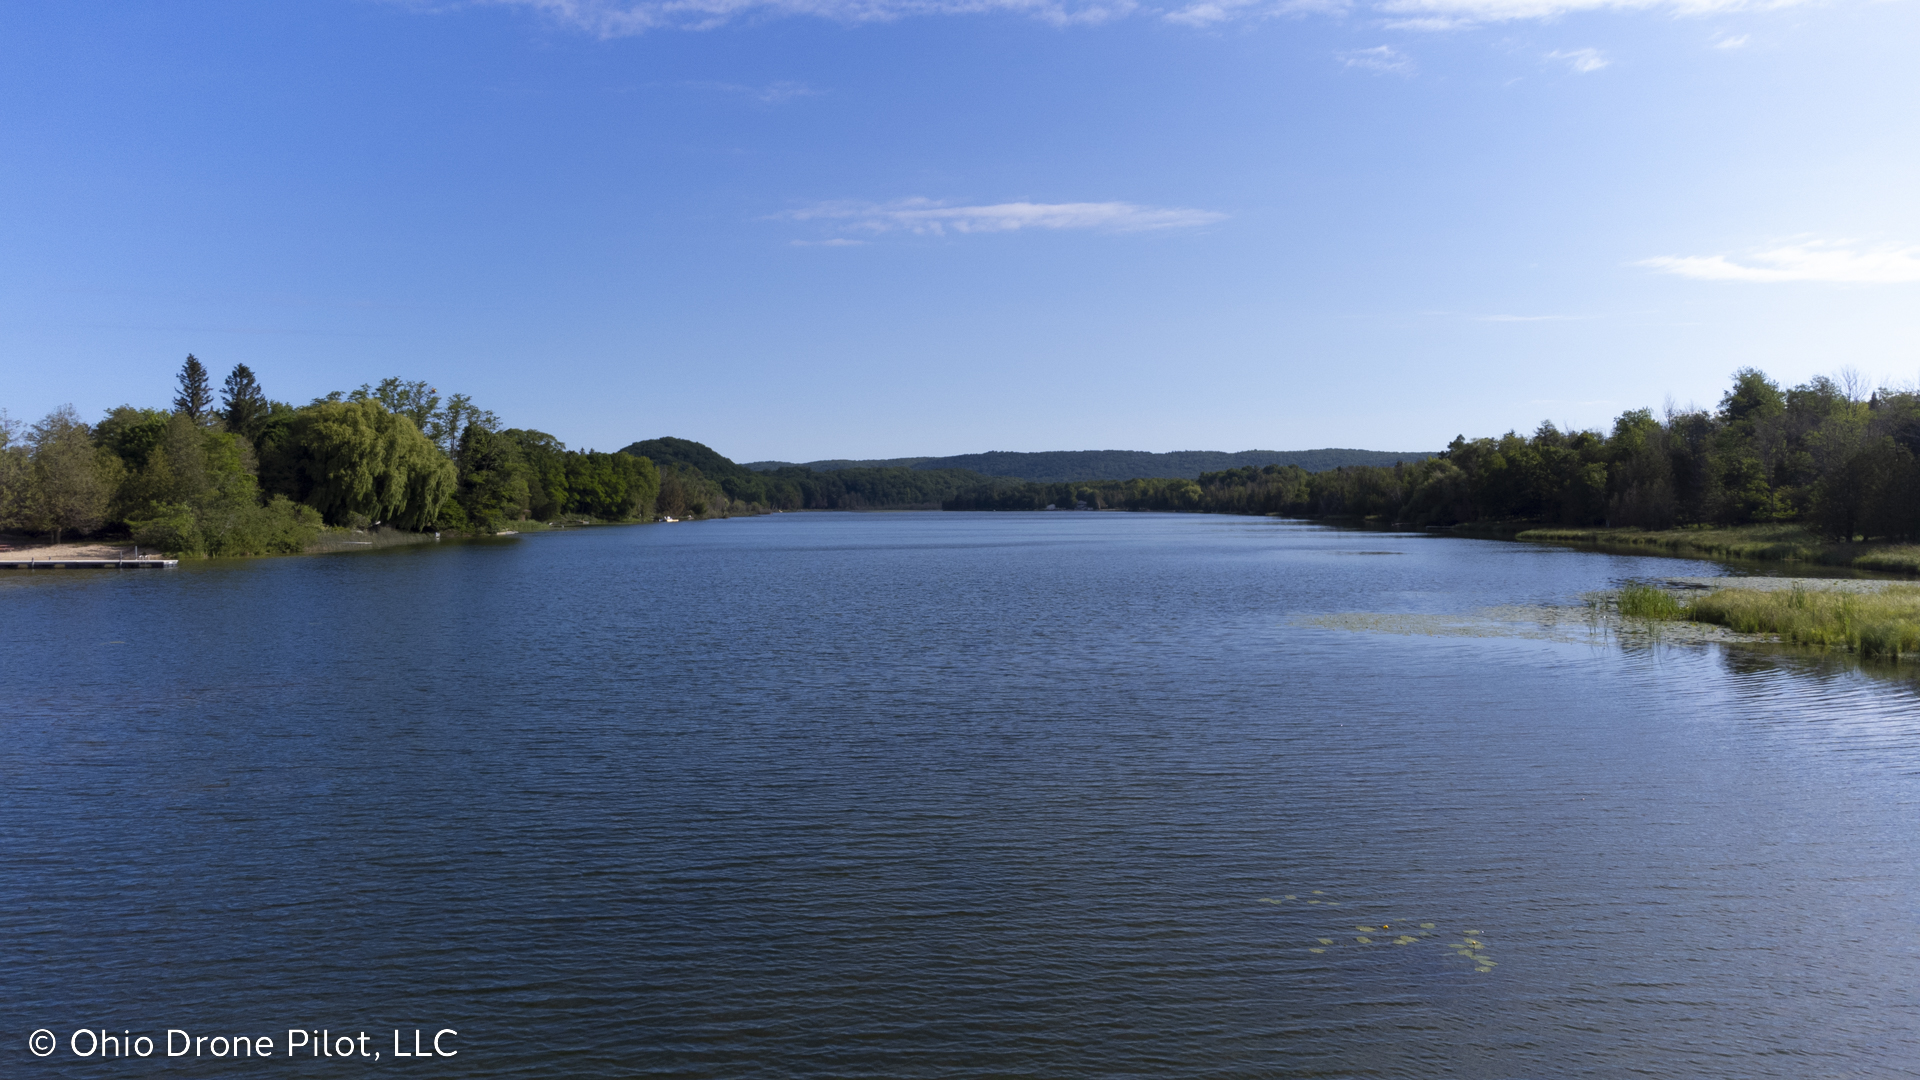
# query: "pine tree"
{"points": [[243, 404], [196, 394]]}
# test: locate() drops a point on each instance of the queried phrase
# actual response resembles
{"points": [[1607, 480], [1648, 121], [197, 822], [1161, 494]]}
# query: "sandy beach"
{"points": [[11, 551]]}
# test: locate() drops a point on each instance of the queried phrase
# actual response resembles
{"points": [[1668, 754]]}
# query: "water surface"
{"points": [[946, 795]]}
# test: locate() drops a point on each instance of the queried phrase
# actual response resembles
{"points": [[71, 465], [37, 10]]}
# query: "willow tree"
{"points": [[354, 460]]}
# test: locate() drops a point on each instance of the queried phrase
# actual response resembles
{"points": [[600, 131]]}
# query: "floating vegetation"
{"points": [[1469, 946]]}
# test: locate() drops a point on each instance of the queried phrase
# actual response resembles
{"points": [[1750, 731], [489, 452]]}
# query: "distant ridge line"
{"points": [[1058, 466]]}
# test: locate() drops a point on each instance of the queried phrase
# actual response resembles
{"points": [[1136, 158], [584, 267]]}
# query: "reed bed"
{"points": [[1883, 623]]}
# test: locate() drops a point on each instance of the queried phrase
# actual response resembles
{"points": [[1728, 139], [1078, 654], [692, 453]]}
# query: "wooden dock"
{"points": [[87, 564]]}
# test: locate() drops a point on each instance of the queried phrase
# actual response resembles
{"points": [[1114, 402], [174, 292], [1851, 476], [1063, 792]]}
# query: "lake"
{"points": [[947, 795]]}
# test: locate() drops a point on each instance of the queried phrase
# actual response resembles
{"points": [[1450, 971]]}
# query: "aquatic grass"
{"points": [[1898, 559], [1884, 623], [1642, 601]]}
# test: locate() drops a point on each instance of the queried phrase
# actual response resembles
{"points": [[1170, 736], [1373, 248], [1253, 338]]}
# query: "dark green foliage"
{"points": [[519, 474], [1812, 454], [196, 393], [1067, 466], [611, 487], [193, 492], [242, 403], [132, 433], [493, 479], [701, 476], [668, 450], [1064, 466], [830, 464]]}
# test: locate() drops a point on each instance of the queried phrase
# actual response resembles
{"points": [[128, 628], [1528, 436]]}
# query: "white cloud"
{"points": [[1381, 58], [1432, 24], [624, 18], [1212, 12], [1739, 42], [1485, 11], [930, 217], [621, 18], [1583, 61], [1830, 261]]}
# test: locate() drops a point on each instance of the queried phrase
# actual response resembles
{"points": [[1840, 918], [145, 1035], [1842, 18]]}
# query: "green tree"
{"points": [[67, 491], [356, 462], [16, 473], [243, 405], [197, 495], [132, 434], [415, 400], [548, 494], [493, 479], [196, 392]]}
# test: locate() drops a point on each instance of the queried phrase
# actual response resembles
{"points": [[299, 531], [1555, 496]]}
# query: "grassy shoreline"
{"points": [[1882, 623], [1757, 543]]}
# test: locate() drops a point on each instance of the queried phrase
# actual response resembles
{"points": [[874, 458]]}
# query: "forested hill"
{"points": [[831, 464], [669, 450], [696, 480], [1067, 466]]}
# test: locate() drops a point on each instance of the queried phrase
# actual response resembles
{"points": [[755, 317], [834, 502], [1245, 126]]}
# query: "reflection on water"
{"points": [[955, 795]]}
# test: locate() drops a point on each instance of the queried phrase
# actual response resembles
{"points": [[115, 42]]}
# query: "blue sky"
{"points": [[872, 228]]}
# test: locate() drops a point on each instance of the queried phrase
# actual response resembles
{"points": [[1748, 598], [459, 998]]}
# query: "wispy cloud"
{"points": [[1583, 61], [1213, 12], [927, 216], [623, 18], [1531, 318], [1830, 261], [1382, 58], [1432, 24], [1736, 42], [1493, 11], [774, 93]]}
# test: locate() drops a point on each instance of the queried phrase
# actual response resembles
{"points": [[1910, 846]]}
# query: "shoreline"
{"points": [[1778, 544]]}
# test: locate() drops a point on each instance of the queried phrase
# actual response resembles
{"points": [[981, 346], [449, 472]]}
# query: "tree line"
{"points": [[1825, 454], [242, 474], [700, 481]]}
